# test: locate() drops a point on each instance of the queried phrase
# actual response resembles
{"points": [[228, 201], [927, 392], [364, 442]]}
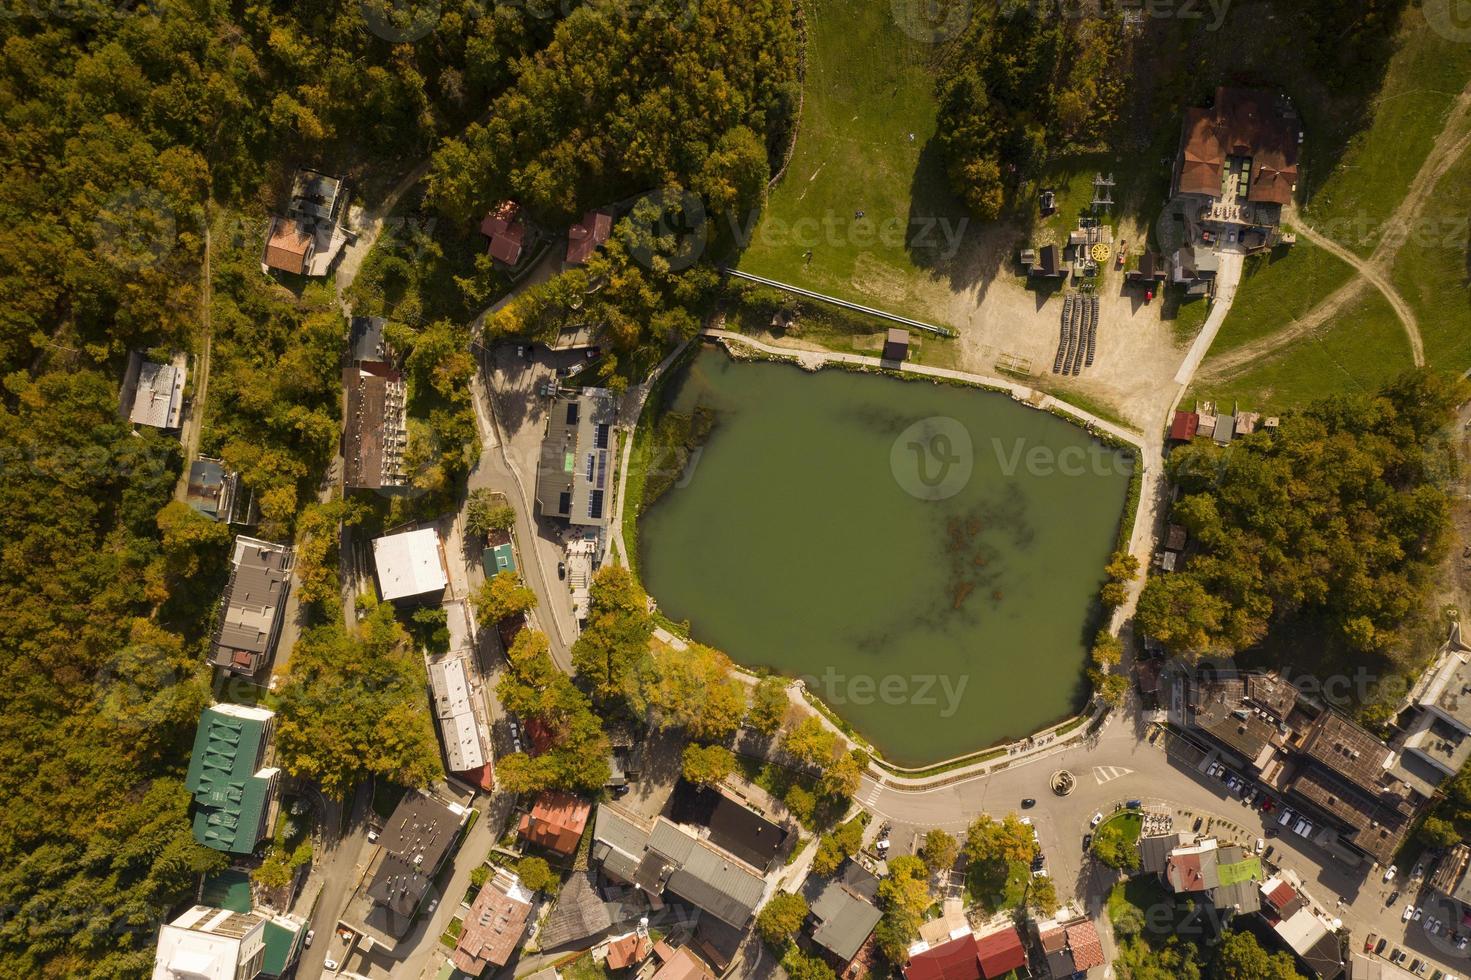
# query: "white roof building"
{"points": [[409, 564], [457, 723], [211, 944], [159, 398]]}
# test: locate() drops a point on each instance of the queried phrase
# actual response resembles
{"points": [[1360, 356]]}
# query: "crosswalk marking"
{"points": [[1107, 774]]}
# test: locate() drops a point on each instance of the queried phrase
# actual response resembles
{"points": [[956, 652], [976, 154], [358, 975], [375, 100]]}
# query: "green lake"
{"points": [[926, 556]]}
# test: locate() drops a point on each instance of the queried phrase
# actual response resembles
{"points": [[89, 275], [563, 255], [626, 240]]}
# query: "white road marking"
{"points": [[1107, 774]]}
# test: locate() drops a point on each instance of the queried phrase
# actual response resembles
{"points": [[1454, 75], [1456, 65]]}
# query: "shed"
{"points": [[1184, 426], [1225, 429], [896, 344]]}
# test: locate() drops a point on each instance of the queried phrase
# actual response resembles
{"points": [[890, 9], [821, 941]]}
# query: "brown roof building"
{"points": [[289, 246], [375, 434], [494, 925], [556, 822], [506, 231], [1253, 131], [683, 965], [629, 950], [587, 236]]}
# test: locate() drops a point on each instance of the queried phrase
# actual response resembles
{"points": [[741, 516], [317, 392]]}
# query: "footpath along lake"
{"points": [[927, 557]]}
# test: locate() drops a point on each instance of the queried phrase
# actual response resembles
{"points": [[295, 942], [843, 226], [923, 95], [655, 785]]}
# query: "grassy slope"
{"points": [[1278, 288], [1433, 269], [1356, 351], [1365, 343], [1424, 78], [867, 89]]}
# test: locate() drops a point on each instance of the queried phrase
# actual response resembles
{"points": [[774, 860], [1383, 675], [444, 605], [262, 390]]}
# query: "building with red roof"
{"points": [[1083, 942], [1001, 952], [957, 959], [587, 236], [629, 950], [556, 822], [506, 231], [1184, 426]]}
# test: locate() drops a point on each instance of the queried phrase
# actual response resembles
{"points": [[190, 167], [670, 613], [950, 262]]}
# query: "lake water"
{"points": [[927, 556]]}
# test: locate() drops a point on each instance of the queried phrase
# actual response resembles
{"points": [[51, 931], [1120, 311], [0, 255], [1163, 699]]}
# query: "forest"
{"points": [[1329, 528]]}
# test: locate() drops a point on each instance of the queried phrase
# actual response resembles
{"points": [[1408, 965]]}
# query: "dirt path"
{"points": [[1450, 144], [195, 422]]}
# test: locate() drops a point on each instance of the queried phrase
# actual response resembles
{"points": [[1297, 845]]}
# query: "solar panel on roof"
{"points": [[595, 505]]}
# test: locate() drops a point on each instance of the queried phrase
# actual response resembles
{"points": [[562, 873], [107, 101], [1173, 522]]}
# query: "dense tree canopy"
{"points": [[534, 690], [1020, 85], [1336, 517], [353, 703]]}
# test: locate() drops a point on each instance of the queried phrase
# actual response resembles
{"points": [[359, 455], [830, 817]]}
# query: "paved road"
{"points": [[1119, 765], [1228, 276], [334, 865]]}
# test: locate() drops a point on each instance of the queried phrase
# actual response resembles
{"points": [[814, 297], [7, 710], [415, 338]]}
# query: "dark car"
{"points": [[1379, 946], [1087, 841], [1028, 803], [1393, 897], [561, 569]]}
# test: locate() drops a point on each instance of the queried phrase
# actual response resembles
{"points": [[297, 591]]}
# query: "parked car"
{"points": [[1198, 822], [1390, 872], [1028, 803], [1096, 820], [1415, 964], [1419, 870], [331, 964], [1419, 912], [1461, 943], [1397, 955], [1135, 804], [307, 942], [1260, 844], [1087, 841], [1409, 913], [1393, 897], [1369, 943], [1379, 946]]}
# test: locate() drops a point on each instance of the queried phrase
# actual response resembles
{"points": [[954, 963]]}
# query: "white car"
{"points": [[1390, 873], [1418, 913], [1096, 819], [1260, 845], [331, 964], [1409, 913]]}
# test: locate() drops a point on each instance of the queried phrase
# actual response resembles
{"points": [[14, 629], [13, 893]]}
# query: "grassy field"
{"points": [[865, 144], [1359, 349], [1425, 75], [1277, 288], [1433, 269]]}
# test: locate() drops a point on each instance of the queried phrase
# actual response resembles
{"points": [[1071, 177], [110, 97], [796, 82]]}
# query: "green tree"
{"points": [[797, 965], [616, 636], [501, 597], [840, 780], [707, 765], [768, 705], [780, 919], [1241, 957], [536, 874], [836, 847], [939, 851], [486, 511], [810, 741], [1004, 841], [689, 689]]}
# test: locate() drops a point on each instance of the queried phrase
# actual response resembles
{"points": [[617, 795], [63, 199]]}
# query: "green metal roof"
{"points": [[501, 558], [1247, 870], [229, 797], [283, 941]]}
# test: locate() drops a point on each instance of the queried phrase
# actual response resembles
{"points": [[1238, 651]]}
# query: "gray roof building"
{"points": [[842, 911], [575, 471], [664, 856], [1154, 852], [415, 842], [158, 399], [252, 607]]}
